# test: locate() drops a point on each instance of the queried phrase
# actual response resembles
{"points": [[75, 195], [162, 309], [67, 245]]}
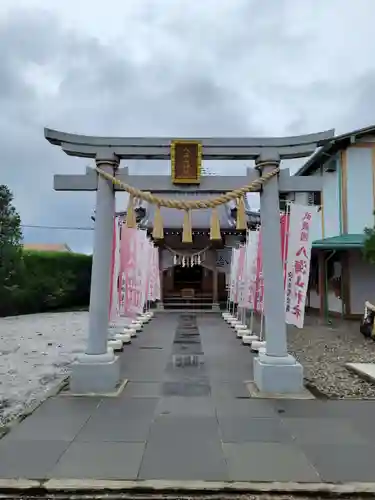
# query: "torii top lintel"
{"points": [[158, 148]]}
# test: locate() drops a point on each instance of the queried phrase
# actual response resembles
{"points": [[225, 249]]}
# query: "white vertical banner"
{"points": [[158, 271], [233, 274], [251, 268], [239, 274], [151, 281], [142, 268], [148, 264], [243, 284], [301, 219]]}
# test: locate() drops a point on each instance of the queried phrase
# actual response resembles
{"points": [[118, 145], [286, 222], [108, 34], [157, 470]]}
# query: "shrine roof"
{"points": [[342, 242], [338, 143], [201, 219]]}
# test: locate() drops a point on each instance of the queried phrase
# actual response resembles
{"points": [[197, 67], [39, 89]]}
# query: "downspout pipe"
{"points": [[326, 307]]}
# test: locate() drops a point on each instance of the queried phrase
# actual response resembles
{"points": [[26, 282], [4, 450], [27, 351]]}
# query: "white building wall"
{"points": [[331, 203], [317, 226], [360, 189]]}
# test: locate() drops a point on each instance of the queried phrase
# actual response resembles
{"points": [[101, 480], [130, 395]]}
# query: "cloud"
{"points": [[173, 68]]}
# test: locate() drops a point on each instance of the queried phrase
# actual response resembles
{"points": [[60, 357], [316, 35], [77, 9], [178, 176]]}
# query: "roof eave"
{"points": [[336, 144]]}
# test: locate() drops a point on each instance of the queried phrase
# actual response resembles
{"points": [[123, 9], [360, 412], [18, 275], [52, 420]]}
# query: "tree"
{"points": [[10, 246], [369, 244]]}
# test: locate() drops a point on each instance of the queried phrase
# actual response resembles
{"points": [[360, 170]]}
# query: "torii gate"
{"points": [[98, 370]]}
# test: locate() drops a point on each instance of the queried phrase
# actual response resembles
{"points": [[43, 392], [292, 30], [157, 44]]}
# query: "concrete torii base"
{"points": [[279, 375], [95, 373]]}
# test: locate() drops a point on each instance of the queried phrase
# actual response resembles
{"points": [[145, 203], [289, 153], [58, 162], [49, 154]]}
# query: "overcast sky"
{"points": [[173, 68]]}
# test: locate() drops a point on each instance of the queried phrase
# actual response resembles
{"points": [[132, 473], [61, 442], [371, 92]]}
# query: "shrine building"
{"points": [[195, 274]]}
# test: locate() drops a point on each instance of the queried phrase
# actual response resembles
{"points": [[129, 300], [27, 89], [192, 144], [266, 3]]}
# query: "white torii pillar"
{"points": [[276, 371], [98, 369]]}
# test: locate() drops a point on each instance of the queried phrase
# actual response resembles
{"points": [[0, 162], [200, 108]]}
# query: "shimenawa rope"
{"points": [[187, 206], [191, 204]]}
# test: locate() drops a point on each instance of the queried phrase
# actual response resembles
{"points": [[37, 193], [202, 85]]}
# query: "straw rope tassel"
{"points": [[130, 214], [187, 236], [215, 225], [241, 215], [158, 231]]}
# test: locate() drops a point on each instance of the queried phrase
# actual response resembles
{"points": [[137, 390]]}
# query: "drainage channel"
{"points": [[187, 347], [186, 371]]}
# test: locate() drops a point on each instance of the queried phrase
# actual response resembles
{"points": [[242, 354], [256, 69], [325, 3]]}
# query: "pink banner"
{"points": [[259, 286], [132, 284], [298, 262], [112, 293], [147, 262], [284, 221], [152, 287], [258, 302]]}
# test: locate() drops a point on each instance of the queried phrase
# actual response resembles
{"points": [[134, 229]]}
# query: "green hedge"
{"points": [[50, 281]]}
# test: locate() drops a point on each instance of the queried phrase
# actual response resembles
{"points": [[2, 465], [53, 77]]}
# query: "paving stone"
{"points": [[58, 419], [250, 408], [268, 462], [125, 419], [99, 461], [177, 405], [303, 408], [229, 390], [355, 409], [365, 428], [184, 459], [142, 390], [178, 373], [149, 358], [166, 428], [242, 429], [228, 376], [115, 428], [342, 463], [29, 459], [185, 389], [147, 369], [140, 375], [187, 349], [323, 431], [138, 408]]}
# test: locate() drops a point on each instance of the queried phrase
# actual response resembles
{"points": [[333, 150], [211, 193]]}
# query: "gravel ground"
{"points": [[35, 352], [324, 351]]}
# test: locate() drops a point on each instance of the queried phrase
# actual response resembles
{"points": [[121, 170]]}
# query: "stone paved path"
{"points": [[185, 414]]}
